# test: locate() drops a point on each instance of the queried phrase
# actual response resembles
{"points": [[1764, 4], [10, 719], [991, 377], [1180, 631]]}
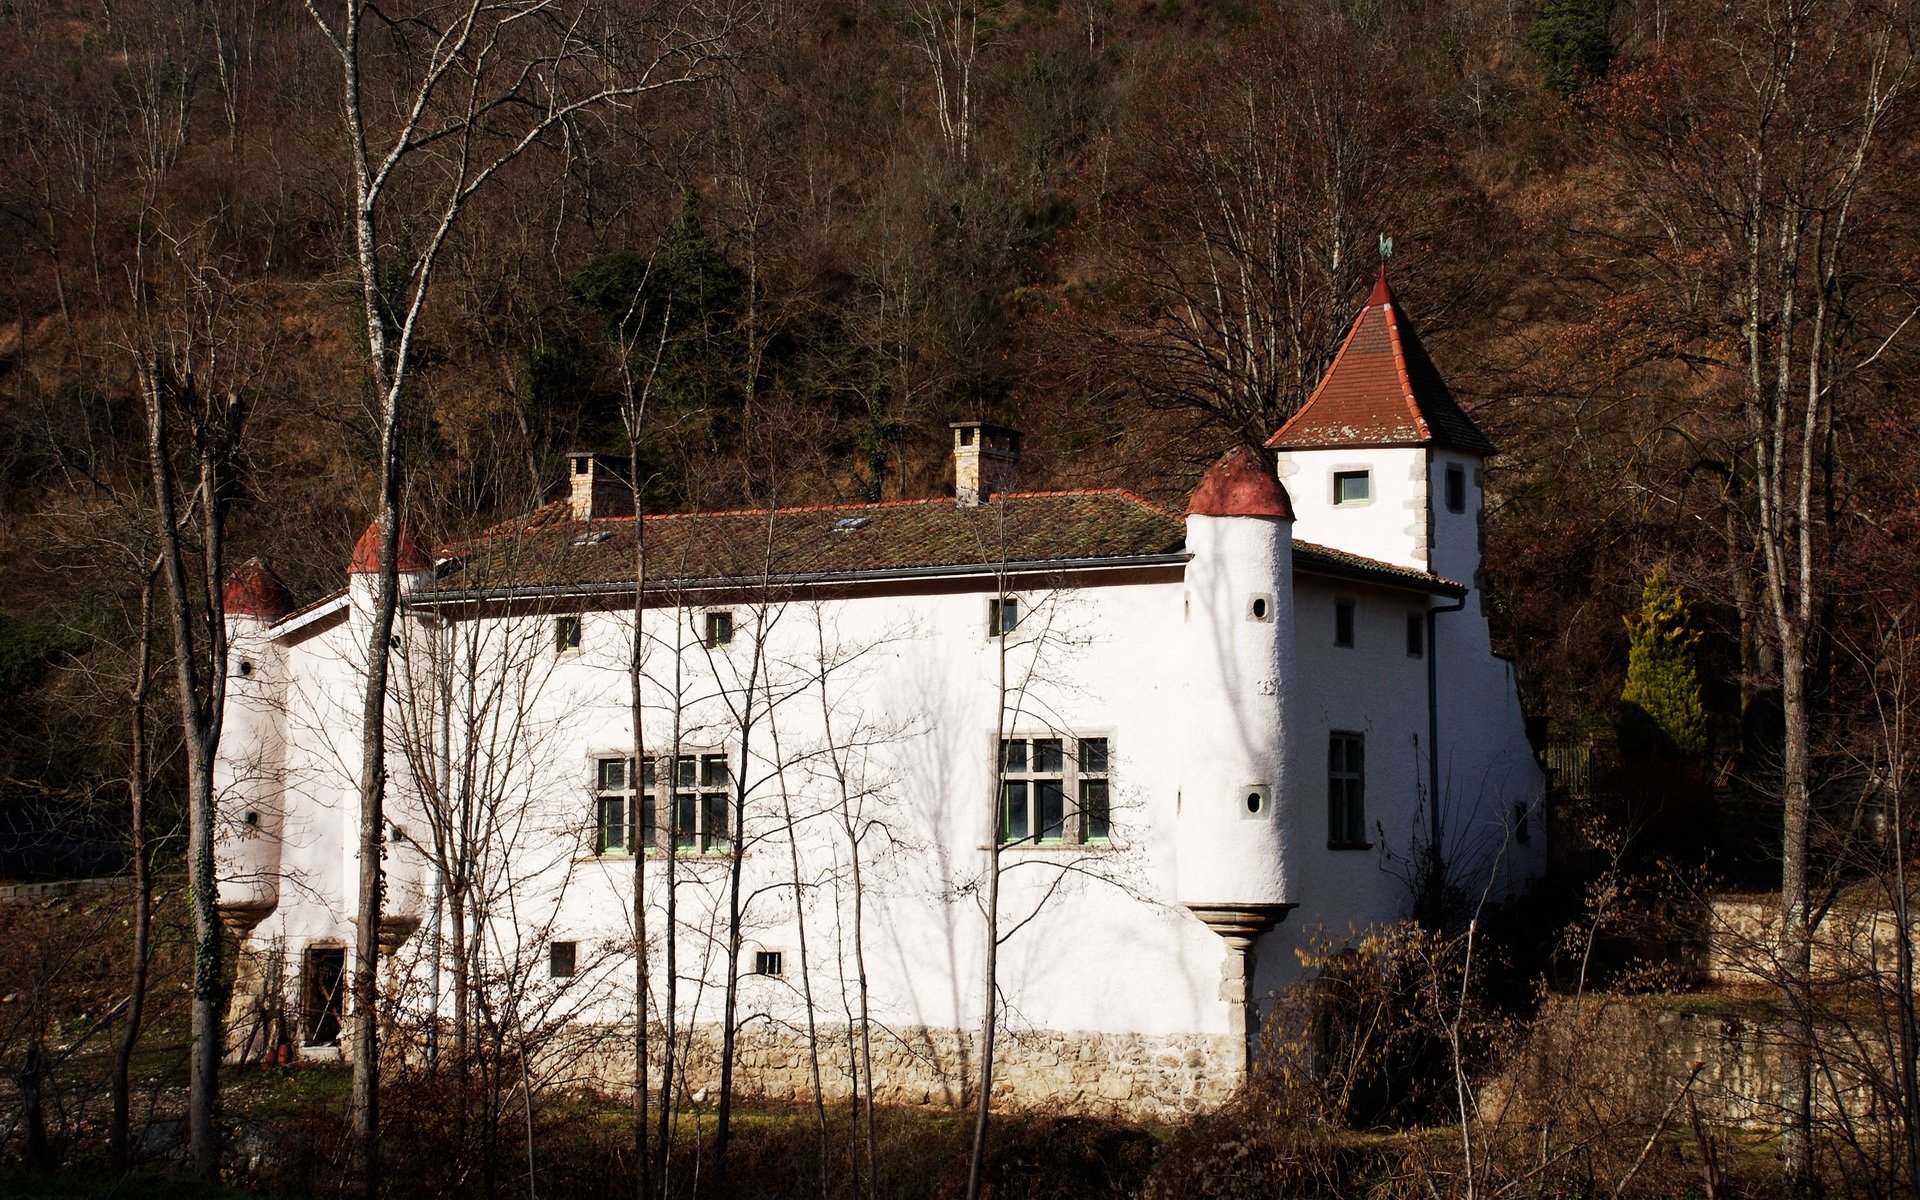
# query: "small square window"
{"points": [[1343, 623], [769, 962], [560, 959], [1416, 635], [719, 630], [1003, 615], [1352, 487], [1456, 488], [566, 634]]}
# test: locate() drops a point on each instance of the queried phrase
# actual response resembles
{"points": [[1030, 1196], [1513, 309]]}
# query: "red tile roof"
{"points": [[411, 554], [253, 590], [1382, 390], [547, 551], [1241, 484]]}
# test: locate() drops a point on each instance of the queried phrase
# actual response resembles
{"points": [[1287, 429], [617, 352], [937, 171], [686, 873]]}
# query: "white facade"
{"points": [[1191, 691]]}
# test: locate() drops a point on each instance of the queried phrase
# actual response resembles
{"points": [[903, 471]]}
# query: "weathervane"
{"points": [[1386, 247]]}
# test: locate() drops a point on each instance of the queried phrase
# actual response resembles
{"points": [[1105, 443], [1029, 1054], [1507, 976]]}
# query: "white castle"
{"points": [[1189, 743]]}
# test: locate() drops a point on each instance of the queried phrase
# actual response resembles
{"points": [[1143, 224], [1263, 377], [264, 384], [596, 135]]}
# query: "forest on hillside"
{"points": [[1664, 253]]}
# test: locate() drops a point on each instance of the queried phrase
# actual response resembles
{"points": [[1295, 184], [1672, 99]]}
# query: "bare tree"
{"points": [[1758, 177], [474, 87], [140, 857], [1255, 194]]}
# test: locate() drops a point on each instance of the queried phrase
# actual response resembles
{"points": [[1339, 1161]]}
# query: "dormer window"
{"points": [[1352, 487]]}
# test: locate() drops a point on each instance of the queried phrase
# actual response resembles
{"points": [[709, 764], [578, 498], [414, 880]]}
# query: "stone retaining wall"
{"points": [[1624, 1058], [1743, 940]]}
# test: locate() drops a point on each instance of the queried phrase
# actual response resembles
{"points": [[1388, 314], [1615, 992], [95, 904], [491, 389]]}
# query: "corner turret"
{"points": [[1234, 870], [249, 774]]}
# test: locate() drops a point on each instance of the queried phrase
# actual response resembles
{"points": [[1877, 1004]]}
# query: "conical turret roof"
{"points": [[411, 555], [1240, 485], [253, 590], [1382, 390]]}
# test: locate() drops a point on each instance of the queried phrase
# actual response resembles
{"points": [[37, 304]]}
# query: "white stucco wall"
{"points": [[1390, 527], [1197, 700]]}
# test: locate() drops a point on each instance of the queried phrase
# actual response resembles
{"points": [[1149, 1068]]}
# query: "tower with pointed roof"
{"points": [[1381, 460]]}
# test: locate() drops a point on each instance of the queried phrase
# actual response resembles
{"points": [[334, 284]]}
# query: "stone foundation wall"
{"points": [[1624, 1059], [1743, 940], [1094, 1074]]}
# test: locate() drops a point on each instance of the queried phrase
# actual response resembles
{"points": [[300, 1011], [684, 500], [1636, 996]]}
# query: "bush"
{"points": [[1572, 40]]}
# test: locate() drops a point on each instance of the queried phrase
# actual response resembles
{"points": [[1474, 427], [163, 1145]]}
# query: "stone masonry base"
{"points": [[1093, 1074]]}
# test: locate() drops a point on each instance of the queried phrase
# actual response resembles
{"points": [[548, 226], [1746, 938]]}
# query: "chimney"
{"points": [[986, 461], [599, 486]]}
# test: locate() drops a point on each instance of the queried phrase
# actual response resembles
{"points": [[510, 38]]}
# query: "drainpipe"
{"points": [[1433, 722]]}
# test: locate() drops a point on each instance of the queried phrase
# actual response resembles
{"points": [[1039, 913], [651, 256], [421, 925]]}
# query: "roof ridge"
{"points": [[1391, 313], [521, 526]]}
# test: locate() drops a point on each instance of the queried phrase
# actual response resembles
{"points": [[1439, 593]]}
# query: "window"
{"points": [[1346, 791], [719, 630], [1456, 488], [1040, 774], [700, 803], [1522, 831], [566, 635], [1416, 635], [560, 959], [1352, 487], [1003, 615], [1260, 607], [769, 962], [1343, 623], [614, 803]]}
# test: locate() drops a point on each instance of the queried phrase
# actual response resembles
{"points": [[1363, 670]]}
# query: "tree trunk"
{"points": [[200, 718], [117, 1134], [1796, 928], [990, 992], [642, 1156], [365, 1022]]}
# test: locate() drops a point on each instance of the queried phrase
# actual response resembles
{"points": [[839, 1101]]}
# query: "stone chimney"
{"points": [[598, 486], [986, 461]]}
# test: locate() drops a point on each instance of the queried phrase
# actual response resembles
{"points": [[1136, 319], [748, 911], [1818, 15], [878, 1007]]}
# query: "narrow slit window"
{"points": [[1096, 814], [1343, 623], [1346, 791], [1456, 488], [1416, 635]]}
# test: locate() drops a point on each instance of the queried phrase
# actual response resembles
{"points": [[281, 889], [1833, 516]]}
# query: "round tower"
{"points": [[1233, 850], [249, 774], [403, 863]]}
